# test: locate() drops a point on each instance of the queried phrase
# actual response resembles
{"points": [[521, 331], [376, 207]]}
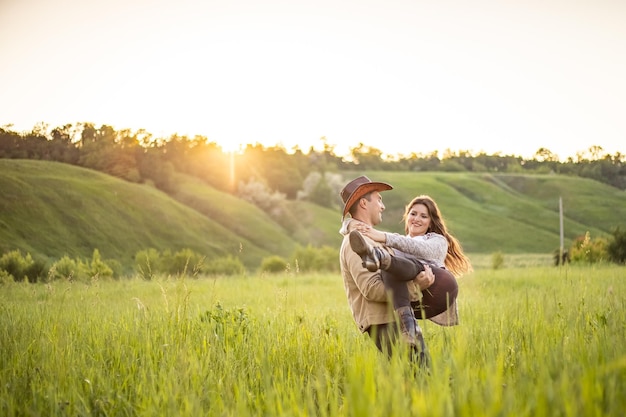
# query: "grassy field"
{"points": [[533, 341]]}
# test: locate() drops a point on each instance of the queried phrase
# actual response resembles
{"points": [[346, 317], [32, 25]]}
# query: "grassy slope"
{"points": [[240, 217], [310, 223], [510, 213], [51, 209]]}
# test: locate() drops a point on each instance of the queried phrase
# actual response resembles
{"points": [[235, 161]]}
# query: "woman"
{"points": [[429, 242]]}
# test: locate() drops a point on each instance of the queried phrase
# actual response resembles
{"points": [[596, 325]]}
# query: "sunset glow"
{"points": [[402, 76]]}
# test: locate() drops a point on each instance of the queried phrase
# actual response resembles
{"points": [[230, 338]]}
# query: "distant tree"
{"points": [[461, 158], [546, 155], [205, 160], [62, 148], [9, 143], [451, 165], [154, 168], [321, 189], [420, 162], [137, 157], [497, 162], [367, 157], [106, 150]]}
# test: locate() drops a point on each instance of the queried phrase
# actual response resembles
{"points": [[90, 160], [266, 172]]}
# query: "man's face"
{"points": [[375, 208]]}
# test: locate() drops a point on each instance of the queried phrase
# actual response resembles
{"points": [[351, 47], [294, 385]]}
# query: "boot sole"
{"points": [[358, 243], [362, 248]]}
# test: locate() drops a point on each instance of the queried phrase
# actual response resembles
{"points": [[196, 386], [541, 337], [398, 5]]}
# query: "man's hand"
{"points": [[425, 278]]}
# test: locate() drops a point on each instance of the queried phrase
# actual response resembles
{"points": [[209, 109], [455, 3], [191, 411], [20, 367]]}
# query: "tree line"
{"points": [[138, 156], [267, 176]]}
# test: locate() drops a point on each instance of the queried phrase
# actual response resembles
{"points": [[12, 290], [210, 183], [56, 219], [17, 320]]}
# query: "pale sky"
{"points": [[402, 76]]}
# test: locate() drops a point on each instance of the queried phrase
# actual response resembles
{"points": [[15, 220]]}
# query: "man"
{"points": [[365, 289]]}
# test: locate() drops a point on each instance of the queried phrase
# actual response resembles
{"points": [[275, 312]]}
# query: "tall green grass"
{"points": [[532, 341]]}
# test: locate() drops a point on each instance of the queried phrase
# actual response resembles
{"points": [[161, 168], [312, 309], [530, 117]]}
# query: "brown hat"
{"points": [[357, 188]]}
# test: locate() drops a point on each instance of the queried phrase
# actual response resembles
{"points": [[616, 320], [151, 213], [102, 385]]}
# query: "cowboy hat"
{"points": [[357, 188]]}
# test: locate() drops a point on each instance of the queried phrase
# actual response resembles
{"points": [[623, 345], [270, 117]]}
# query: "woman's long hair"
{"points": [[456, 261]]}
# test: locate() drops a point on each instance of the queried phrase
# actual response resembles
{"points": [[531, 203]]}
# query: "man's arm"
{"points": [[369, 284]]}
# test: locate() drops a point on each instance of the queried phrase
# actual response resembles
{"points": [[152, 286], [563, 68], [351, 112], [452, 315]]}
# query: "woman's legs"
{"points": [[439, 296], [400, 271]]}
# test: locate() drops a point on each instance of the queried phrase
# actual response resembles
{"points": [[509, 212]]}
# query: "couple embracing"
{"points": [[417, 272]]}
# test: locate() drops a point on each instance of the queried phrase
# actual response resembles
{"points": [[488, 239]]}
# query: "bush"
{"points": [[328, 259], [38, 271], [617, 246], [224, 266], [16, 265], [316, 259], [497, 260], [98, 268], [274, 264], [21, 268], [78, 270], [273, 203], [116, 266], [67, 268], [183, 262], [259, 194], [588, 250], [147, 263], [5, 277]]}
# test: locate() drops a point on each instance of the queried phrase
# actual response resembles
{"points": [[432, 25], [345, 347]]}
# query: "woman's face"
{"points": [[418, 220]]}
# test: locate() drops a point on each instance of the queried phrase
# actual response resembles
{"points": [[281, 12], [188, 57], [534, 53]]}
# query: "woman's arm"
{"points": [[432, 248], [367, 230]]}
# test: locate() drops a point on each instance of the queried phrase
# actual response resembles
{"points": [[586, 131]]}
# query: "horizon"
{"points": [[590, 153]]}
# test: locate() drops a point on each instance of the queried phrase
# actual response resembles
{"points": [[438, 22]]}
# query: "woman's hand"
{"points": [[367, 230]]}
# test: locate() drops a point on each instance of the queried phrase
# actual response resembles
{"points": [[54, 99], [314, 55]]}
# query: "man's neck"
{"points": [[363, 221]]}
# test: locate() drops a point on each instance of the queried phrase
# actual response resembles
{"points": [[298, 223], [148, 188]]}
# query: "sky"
{"points": [[402, 76]]}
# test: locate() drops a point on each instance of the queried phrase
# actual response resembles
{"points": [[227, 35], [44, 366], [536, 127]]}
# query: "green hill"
{"points": [[50, 209], [507, 212]]}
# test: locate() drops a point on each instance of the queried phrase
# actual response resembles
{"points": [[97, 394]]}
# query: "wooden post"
{"points": [[561, 231]]}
